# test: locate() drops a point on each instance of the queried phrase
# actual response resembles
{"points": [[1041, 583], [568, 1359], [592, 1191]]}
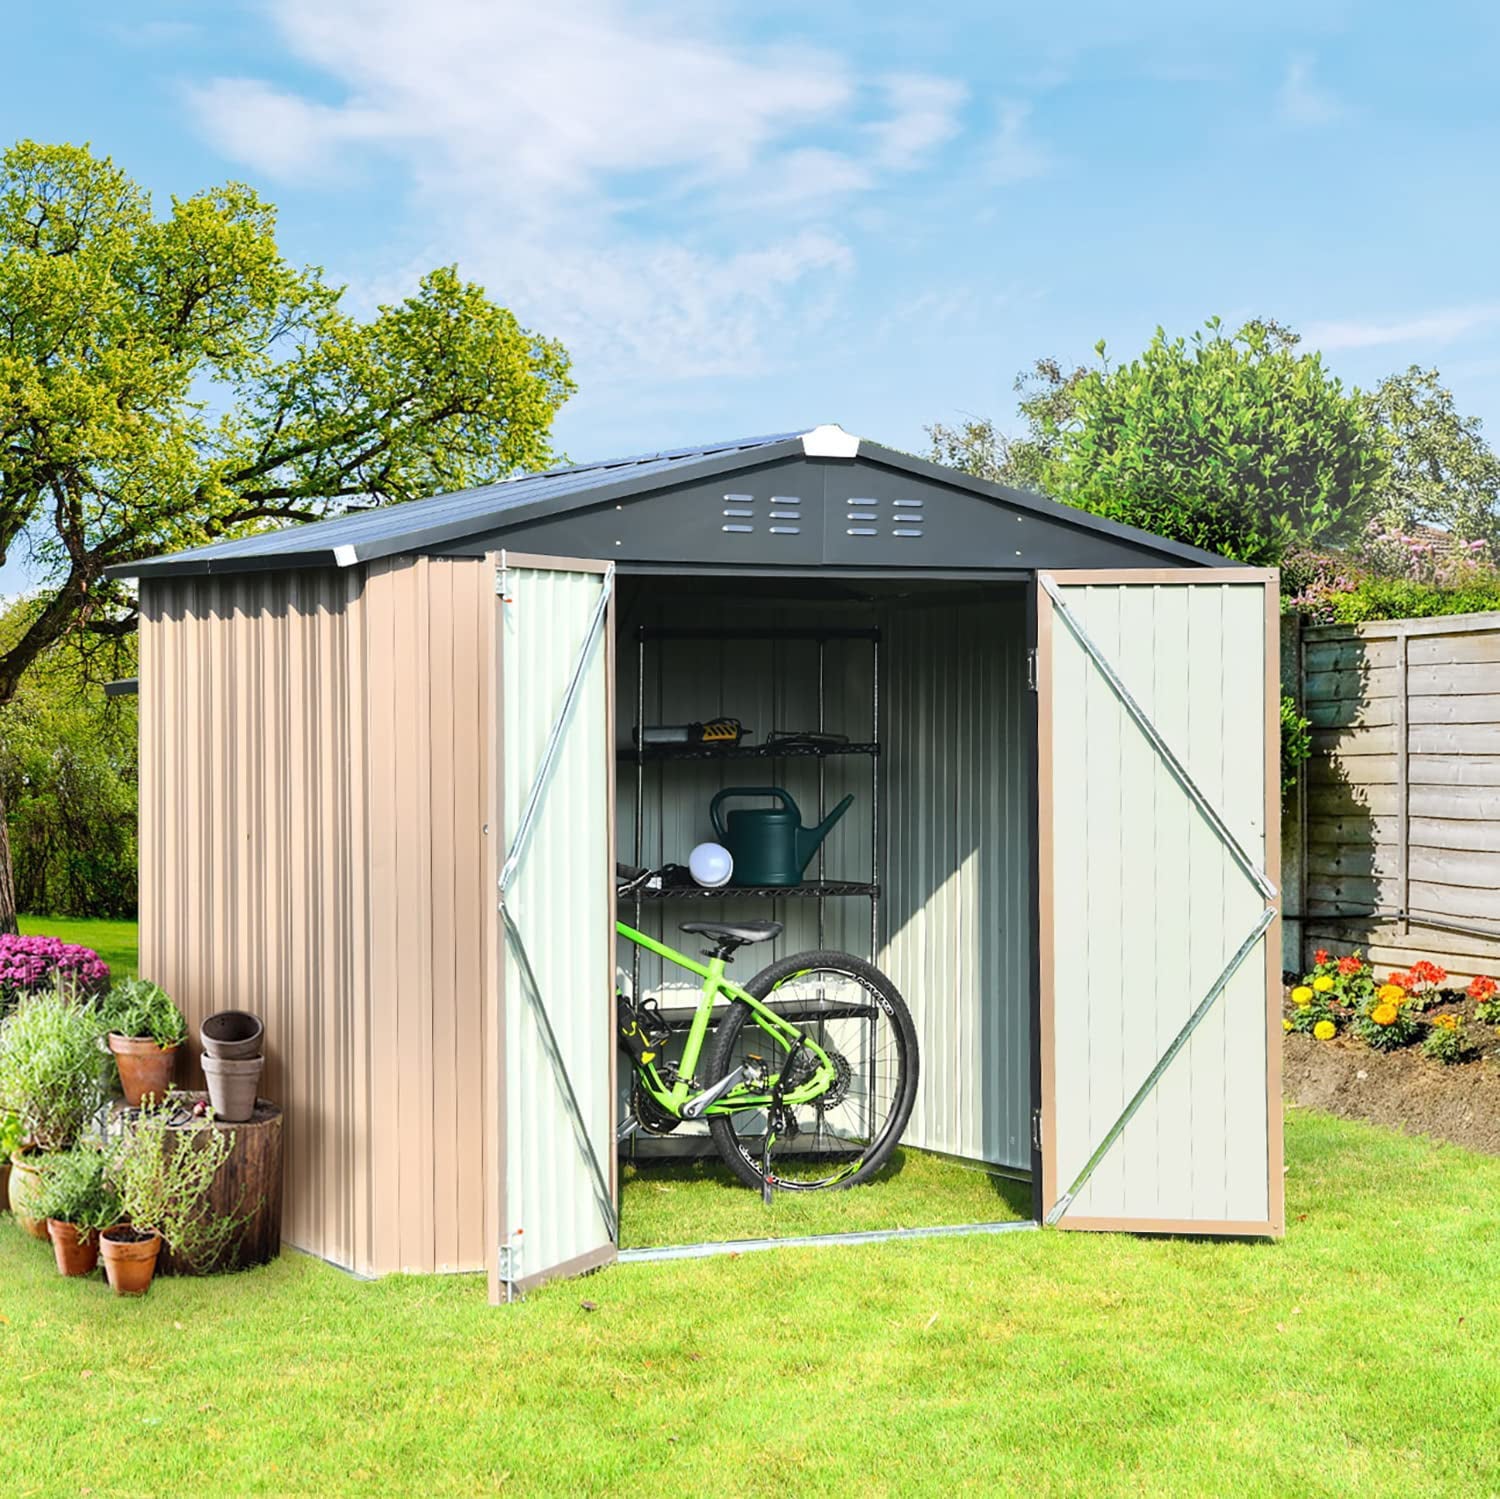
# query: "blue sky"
{"points": [[748, 218]]}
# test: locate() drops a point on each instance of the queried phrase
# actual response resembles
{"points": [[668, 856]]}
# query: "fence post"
{"points": [[1403, 778], [1294, 807]]}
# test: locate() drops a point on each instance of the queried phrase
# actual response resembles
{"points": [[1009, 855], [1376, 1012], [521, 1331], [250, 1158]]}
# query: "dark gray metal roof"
{"points": [[504, 513]]}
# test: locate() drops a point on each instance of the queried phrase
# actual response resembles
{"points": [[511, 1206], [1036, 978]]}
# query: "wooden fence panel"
{"points": [[1393, 837]]}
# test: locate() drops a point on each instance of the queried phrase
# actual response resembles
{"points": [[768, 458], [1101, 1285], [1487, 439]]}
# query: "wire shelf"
{"points": [[788, 751], [807, 890]]}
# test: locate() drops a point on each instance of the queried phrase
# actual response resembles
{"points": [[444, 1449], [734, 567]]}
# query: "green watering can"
{"points": [[769, 845]]}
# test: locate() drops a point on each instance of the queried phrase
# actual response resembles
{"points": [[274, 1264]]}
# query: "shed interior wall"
{"points": [[954, 817]]}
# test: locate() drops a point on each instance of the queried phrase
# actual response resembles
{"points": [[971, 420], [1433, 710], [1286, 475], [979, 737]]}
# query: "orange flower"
{"points": [[1481, 987], [1400, 980], [1383, 1014], [1428, 973], [1321, 956], [1348, 966]]}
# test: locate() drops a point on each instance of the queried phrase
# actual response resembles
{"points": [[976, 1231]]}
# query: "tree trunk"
{"points": [[7, 876]]}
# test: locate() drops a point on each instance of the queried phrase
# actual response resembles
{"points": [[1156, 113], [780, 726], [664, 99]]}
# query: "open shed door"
{"points": [[1159, 804], [556, 1179]]}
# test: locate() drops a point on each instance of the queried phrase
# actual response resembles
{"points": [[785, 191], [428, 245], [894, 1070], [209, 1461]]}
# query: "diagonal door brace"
{"points": [[524, 828], [1252, 871]]}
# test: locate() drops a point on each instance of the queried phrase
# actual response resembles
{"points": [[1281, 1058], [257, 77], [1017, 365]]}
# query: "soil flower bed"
{"points": [[1403, 1088]]}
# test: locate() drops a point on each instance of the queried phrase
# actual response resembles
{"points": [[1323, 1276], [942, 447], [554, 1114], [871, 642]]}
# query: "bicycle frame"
{"points": [[672, 1096]]}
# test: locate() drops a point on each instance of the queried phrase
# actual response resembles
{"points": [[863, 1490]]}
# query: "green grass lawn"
{"points": [[114, 941], [690, 1202], [1356, 1357]]}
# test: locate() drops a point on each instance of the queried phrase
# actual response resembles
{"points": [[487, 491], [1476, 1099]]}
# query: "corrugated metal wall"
{"points": [[314, 784], [957, 910], [561, 900], [1148, 907]]}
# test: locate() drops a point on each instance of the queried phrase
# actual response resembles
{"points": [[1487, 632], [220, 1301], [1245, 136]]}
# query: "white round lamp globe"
{"points": [[711, 865]]}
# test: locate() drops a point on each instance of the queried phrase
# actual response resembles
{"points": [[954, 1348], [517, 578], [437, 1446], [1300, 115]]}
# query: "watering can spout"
{"points": [[808, 839]]}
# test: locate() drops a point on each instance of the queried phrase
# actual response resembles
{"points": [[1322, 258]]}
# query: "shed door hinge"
{"points": [[1036, 1129], [1031, 669]]}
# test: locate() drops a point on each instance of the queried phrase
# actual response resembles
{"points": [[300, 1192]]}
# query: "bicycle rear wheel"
{"points": [[857, 1015]]}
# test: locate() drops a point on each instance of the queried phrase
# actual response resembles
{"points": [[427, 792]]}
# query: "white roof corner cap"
{"points": [[345, 556], [830, 441]]}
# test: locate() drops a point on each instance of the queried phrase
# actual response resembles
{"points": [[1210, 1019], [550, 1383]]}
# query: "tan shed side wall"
{"points": [[314, 789]]}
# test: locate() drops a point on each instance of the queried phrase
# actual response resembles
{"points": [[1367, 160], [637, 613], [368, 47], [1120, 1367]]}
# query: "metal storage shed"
{"points": [[355, 733]]}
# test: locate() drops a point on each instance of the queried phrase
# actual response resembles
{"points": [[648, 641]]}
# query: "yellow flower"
{"points": [[1324, 1030], [1446, 1022], [1286, 1025], [1384, 1014], [1323, 983], [1302, 995], [1390, 994]]}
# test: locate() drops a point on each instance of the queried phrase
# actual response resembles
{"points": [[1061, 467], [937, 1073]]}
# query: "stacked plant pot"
{"points": [[233, 1057]]}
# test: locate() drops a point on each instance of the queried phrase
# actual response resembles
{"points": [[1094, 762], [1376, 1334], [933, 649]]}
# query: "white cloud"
{"points": [[1301, 100], [1430, 328], [1014, 156], [623, 174], [924, 114]]}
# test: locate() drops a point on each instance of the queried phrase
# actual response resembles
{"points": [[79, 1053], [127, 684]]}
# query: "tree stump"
{"points": [[248, 1186]]}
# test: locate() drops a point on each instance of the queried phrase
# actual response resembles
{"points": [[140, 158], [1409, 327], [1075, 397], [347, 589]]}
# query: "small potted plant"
{"points": [[145, 1031], [79, 1203], [163, 1172], [53, 1075]]}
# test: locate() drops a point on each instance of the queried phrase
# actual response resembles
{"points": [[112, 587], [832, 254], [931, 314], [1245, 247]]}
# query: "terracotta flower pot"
{"points": [[234, 1035], [77, 1249], [129, 1256], [25, 1188], [232, 1087], [144, 1067]]}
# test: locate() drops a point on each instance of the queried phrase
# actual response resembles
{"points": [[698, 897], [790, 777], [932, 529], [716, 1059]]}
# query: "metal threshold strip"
{"points": [[817, 1241]]}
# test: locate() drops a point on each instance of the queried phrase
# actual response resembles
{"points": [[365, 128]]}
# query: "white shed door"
{"points": [[1159, 796], [557, 1189]]}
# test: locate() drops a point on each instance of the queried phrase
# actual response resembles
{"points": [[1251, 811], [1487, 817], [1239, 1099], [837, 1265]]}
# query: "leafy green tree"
{"points": [[1443, 473], [68, 776], [170, 379], [1235, 443]]}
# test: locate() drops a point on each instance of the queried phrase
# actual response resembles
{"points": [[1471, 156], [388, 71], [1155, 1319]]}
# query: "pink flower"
{"points": [[31, 962]]}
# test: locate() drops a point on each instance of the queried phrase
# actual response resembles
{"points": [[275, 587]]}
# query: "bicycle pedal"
{"points": [[629, 1125]]}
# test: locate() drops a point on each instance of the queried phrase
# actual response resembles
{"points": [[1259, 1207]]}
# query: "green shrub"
{"points": [[1400, 598], [1446, 1040], [76, 1190], [139, 1008], [1296, 742], [12, 1136], [1388, 1019], [163, 1175], [54, 1074]]}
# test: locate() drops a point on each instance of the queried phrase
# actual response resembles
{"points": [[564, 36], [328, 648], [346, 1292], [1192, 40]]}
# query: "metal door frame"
{"points": [[1055, 1198]]}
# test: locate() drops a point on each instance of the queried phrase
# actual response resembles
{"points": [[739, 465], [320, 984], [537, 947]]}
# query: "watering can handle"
{"points": [[713, 807]]}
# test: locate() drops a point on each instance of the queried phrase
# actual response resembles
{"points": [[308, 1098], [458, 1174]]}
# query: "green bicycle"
{"points": [[808, 1077]]}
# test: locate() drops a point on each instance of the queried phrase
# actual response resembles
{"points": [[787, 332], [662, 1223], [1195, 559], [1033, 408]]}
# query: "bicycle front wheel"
{"points": [[858, 1017]]}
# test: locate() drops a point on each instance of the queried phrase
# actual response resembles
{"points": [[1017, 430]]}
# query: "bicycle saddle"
{"points": [[732, 934]]}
